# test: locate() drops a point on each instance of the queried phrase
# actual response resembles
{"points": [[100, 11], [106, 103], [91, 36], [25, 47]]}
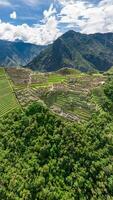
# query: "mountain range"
{"points": [[17, 53], [93, 52], [81, 51]]}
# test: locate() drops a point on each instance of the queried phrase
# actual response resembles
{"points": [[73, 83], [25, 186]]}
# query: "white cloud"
{"points": [[13, 15], [38, 34], [4, 3], [49, 12], [73, 14], [88, 17]]}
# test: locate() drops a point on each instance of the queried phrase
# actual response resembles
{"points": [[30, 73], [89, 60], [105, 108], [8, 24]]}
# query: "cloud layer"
{"points": [[4, 3], [79, 15], [42, 33], [87, 17]]}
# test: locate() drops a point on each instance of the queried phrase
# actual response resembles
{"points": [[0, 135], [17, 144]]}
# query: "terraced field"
{"points": [[66, 92], [8, 100], [70, 103]]}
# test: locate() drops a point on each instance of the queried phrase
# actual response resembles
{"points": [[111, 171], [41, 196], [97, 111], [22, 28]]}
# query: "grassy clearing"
{"points": [[54, 78], [41, 85], [8, 100], [48, 80]]}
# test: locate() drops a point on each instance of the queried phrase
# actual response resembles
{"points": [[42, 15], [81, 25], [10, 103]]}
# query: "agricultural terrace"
{"points": [[8, 100], [67, 92]]}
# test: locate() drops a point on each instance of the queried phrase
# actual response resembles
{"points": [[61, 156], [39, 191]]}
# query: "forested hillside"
{"points": [[45, 157], [86, 52]]}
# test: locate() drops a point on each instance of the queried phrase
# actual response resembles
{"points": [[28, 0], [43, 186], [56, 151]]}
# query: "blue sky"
{"points": [[42, 21], [29, 12]]}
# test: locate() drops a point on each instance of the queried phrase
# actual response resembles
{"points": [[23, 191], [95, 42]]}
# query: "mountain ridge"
{"points": [[76, 50], [17, 53]]}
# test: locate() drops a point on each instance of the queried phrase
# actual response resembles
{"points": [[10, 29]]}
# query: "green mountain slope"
{"points": [[76, 50], [17, 53]]}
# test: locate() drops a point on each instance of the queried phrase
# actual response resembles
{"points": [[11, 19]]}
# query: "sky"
{"points": [[42, 21]]}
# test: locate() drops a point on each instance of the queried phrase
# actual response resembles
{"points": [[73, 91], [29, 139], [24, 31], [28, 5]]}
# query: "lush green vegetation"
{"points": [[54, 78], [103, 96], [7, 98], [44, 157]]}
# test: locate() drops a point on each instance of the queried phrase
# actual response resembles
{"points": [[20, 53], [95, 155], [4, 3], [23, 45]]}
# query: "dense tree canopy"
{"points": [[43, 157]]}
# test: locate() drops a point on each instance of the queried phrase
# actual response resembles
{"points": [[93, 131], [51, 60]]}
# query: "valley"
{"points": [[67, 92], [17, 53]]}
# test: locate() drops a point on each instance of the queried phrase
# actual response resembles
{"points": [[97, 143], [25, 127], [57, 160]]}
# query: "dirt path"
{"points": [[52, 87]]}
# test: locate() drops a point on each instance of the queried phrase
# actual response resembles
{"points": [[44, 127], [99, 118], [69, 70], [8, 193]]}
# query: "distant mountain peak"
{"points": [[17, 53], [71, 33], [80, 51], [18, 40]]}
